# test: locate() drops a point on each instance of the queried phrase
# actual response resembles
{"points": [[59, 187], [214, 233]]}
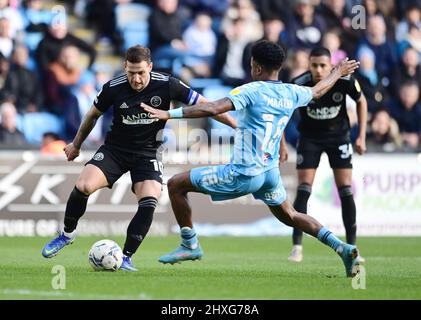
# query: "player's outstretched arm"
{"points": [[344, 68], [224, 118], [200, 110], [72, 150]]}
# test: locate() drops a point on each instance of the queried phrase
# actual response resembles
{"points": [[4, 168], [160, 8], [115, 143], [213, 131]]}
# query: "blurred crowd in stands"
{"points": [[45, 89]]}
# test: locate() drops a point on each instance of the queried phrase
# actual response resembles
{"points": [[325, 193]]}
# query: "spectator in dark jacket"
{"points": [[211, 7], [408, 69], [101, 14], [165, 34], [4, 71], [22, 84], [384, 50], [53, 42], [335, 16], [407, 112], [267, 8], [305, 27]]}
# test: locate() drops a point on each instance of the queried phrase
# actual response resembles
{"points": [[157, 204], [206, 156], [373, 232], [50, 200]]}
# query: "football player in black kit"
{"points": [[132, 144], [324, 127]]}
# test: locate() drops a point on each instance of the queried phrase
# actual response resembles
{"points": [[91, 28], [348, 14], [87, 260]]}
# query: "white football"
{"points": [[105, 255]]}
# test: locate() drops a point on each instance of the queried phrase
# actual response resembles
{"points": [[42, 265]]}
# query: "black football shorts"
{"points": [[338, 150], [114, 163]]}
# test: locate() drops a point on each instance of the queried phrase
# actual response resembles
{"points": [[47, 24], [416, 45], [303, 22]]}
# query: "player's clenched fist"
{"points": [[71, 152]]}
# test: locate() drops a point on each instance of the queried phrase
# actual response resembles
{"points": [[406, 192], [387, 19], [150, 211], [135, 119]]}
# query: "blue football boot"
{"points": [[349, 255], [182, 253], [55, 245], [127, 264]]}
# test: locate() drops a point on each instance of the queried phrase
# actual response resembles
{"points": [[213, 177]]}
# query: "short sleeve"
{"points": [[301, 95], [181, 92], [103, 99], [354, 89], [240, 98]]}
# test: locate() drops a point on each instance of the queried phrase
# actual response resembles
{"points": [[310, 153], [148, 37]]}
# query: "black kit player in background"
{"points": [[324, 127], [132, 144]]}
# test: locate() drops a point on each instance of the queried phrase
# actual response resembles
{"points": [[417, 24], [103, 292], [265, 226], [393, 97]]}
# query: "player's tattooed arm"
{"points": [[344, 68], [88, 123], [72, 150]]}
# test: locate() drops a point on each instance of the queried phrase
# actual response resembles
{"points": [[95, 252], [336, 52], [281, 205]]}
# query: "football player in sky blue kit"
{"points": [[263, 110]]}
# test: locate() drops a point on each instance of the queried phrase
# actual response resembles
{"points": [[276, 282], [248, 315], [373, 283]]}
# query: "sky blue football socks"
{"points": [[189, 238], [328, 238]]}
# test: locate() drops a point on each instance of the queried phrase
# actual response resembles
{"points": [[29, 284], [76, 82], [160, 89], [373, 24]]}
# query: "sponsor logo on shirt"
{"points": [[140, 118], [124, 106], [323, 113]]}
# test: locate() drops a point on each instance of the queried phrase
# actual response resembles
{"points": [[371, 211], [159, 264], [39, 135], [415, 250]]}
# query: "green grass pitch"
{"points": [[232, 268]]}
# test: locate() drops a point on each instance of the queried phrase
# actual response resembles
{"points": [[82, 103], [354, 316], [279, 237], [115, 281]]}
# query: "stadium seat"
{"points": [[130, 13], [32, 39], [132, 22], [214, 92], [199, 84], [136, 33], [35, 124]]}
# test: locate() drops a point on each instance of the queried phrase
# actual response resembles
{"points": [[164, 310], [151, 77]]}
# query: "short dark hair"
{"points": [[320, 52], [51, 135], [269, 55], [138, 54], [412, 6], [409, 83]]}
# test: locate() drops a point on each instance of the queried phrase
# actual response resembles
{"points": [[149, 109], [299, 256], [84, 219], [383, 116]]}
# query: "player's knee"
{"points": [[173, 185], [85, 187], [345, 191], [288, 215], [291, 216]]}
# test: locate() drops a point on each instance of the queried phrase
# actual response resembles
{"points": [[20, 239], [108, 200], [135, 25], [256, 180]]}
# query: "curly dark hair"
{"points": [[268, 54]]}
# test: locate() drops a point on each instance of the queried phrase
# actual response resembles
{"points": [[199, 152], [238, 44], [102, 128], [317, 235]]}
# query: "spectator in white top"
{"points": [[201, 42], [199, 36], [6, 40], [16, 22], [244, 10], [413, 17]]}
